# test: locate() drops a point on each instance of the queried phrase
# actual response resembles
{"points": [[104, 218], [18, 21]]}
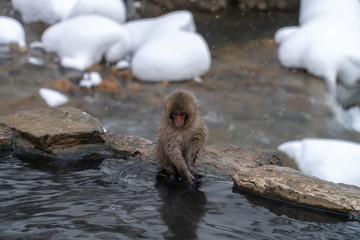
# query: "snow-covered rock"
{"points": [[168, 48], [52, 11], [53, 98], [90, 80], [47, 11], [175, 57], [82, 41], [329, 159], [11, 31], [114, 9], [326, 42], [145, 30]]}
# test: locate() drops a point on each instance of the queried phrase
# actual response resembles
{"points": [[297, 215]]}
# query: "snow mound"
{"points": [[144, 30], [326, 42], [11, 31], [82, 41], [90, 80], [168, 48], [329, 159], [53, 98], [52, 11], [47, 11], [179, 56], [113, 9]]}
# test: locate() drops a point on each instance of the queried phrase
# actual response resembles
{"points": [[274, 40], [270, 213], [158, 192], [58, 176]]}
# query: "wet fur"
{"points": [[177, 148]]}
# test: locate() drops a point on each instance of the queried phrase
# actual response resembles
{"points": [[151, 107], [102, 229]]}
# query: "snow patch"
{"points": [[82, 41], [11, 31], [113, 9], [47, 11], [53, 98], [52, 11], [326, 42], [329, 159], [90, 80], [168, 48], [175, 57]]}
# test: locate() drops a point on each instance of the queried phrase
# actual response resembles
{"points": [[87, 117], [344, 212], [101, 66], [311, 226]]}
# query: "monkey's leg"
{"points": [[194, 147]]}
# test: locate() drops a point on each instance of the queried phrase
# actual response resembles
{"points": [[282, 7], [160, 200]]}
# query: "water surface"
{"points": [[124, 200]]}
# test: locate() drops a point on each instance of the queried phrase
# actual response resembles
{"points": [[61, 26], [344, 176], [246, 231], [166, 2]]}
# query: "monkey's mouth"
{"points": [[179, 124]]}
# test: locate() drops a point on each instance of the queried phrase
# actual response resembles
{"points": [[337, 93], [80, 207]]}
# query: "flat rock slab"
{"points": [[54, 129], [131, 147], [227, 161], [294, 186], [63, 134]]}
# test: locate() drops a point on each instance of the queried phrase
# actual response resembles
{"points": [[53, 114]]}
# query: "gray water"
{"points": [[125, 200]]}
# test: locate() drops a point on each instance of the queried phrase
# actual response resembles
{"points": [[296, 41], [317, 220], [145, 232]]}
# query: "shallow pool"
{"points": [[124, 200]]}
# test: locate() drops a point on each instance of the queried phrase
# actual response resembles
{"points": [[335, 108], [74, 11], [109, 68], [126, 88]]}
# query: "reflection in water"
{"points": [[182, 209]]}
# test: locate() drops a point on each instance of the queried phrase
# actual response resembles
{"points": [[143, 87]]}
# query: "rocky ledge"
{"points": [[69, 135]]}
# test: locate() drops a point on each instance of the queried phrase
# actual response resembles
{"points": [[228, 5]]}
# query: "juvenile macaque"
{"points": [[180, 135]]}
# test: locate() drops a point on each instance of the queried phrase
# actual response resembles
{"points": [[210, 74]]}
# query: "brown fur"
{"points": [[177, 148]]}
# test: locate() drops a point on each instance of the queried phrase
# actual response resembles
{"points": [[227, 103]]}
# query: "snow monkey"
{"points": [[180, 135]]}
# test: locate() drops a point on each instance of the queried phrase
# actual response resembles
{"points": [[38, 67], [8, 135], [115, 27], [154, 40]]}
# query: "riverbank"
{"points": [[68, 137]]}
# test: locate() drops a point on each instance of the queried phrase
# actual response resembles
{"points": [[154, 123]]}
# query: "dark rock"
{"points": [[159, 7], [131, 147], [5, 141], [5, 137]]}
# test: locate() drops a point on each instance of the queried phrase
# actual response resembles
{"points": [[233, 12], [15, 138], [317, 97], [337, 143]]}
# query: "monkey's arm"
{"points": [[177, 160]]}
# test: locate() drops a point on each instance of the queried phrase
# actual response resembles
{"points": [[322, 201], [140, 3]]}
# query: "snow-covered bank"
{"points": [[52, 11], [326, 41], [326, 44], [329, 159], [83, 41]]}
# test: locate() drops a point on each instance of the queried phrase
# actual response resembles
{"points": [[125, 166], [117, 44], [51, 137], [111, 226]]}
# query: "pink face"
{"points": [[179, 118]]}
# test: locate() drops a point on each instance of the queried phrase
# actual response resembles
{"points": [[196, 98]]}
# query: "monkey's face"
{"points": [[179, 118]]}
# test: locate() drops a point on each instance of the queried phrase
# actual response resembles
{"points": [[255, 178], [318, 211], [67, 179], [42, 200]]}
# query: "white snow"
{"points": [[329, 159], [123, 64], [36, 61], [53, 98], [86, 31], [11, 31], [52, 11], [91, 79], [168, 48], [326, 43], [144, 30], [354, 115], [82, 41], [174, 57], [47, 11], [114, 9]]}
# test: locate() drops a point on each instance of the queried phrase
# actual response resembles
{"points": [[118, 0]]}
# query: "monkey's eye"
{"points": [[179, 114], [182, 114]]}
